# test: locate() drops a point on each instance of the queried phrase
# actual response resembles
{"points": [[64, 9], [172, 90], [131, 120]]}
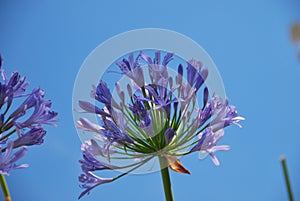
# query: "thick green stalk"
{"points": [[5, 188], [166, 179], [287, 179]]}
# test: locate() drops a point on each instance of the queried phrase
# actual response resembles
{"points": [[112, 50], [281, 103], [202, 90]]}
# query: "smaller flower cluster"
{"points": [[23, 114]]}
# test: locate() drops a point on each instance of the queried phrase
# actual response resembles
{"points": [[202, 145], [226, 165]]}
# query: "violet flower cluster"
{"points": [[23, 114], [160, 119]]}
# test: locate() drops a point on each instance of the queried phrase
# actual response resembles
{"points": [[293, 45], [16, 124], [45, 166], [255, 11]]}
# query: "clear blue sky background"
{"points": [[249, 42]]}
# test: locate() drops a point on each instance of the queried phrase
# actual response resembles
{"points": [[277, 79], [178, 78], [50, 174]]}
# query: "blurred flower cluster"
{"points": [[22, 114], [155, 118], [295, 35]]}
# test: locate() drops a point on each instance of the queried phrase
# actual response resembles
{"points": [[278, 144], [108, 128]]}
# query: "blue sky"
{"points": [[249, 42]]}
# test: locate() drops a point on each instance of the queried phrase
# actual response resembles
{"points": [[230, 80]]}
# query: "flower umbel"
{"points": [[22, 114], [160, 118]]}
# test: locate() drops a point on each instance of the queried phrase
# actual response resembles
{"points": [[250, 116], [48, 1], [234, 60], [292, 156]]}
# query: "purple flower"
{"points": [[157, 69], [42, 114], [205, 96], [121, 93], [160, 96], [13, 87], [127, 65], [103, 94], [26, 119], [89, 107], [131, 67], [208, 143], [156, 60], [226, 118], [169, 134], [32, 100], [7, 161], [32, 137], [195, 74], [179, 74], [89, 161], [91, 181], [113, 133], [139, 111], [215, 106], [87, 125]]}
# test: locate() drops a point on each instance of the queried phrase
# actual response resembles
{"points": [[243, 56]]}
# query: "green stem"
{"points": [[166, 179], [7, 135], [136, 167], [5, 188], [287, 180]]}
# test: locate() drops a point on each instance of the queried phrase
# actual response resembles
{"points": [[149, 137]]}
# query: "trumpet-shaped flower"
{"points": [[8, 159]]}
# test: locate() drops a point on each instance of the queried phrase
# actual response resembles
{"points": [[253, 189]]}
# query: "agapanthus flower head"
{"points": [[23, 114], [157, 117]]}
